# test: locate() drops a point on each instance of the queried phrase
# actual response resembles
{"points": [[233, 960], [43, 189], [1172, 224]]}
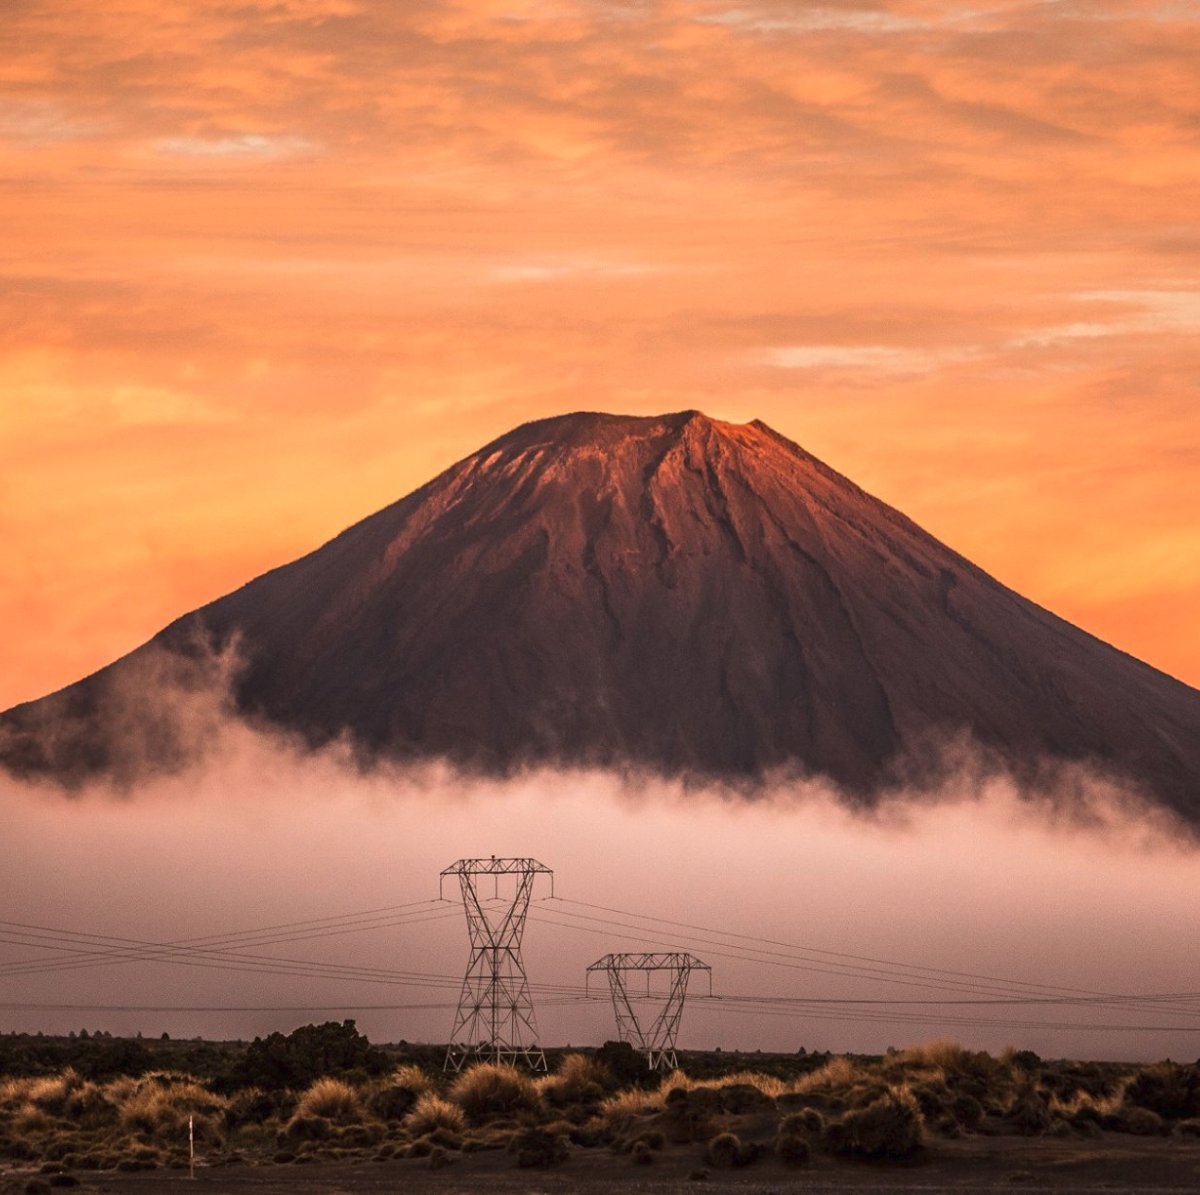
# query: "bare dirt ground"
{"points": [[1113, 1164]]}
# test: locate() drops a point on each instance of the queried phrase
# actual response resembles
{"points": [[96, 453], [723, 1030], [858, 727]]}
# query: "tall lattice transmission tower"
{"points": [[495, 1021], [653, 1032]]}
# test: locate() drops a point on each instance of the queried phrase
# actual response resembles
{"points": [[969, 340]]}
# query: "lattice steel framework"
{"points": [[495, 1021], [657, 1038]]}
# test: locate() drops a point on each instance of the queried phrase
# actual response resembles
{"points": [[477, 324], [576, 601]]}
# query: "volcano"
{"points": [[675, 594]]}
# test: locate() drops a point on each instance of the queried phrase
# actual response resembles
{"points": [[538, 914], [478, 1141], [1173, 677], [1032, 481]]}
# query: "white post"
{"points": [[191, 1147]]}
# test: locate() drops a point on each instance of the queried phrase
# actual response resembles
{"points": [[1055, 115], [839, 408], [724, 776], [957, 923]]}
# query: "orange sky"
{"points": [[267, 266]]}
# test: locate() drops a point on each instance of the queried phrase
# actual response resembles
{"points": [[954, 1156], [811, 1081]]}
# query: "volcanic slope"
{"points": [[671, 593]]}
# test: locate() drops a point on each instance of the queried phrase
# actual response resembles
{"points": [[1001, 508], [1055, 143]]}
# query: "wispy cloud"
{"points": [[242, 145]]}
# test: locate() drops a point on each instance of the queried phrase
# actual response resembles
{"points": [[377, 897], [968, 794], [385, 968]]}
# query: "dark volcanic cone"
{"points": [[674, 593]]}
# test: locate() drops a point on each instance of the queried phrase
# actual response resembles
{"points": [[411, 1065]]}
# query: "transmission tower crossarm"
{"points": [[656, 1040]]}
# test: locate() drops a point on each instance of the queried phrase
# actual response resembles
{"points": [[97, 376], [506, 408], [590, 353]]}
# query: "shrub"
{"points": [[306, 1054], [1029, 1113], [1171, 1090], [331, 1099], [620, 1060], [432, 1112], [641, 1153], [888, 1127], [249, 1106], [1188, 1128], [966, 1110]]}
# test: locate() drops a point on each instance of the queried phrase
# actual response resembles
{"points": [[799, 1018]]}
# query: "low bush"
{"points": [[1029, 1113], [1166, 1088], [307, 1054], [249, 1106]]}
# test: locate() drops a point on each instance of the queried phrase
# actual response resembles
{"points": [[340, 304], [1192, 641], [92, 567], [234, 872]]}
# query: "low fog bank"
{"points": [[1081, 889]]}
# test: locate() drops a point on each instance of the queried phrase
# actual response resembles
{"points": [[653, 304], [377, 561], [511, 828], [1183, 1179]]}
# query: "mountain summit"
{"points": [[673, 593]]}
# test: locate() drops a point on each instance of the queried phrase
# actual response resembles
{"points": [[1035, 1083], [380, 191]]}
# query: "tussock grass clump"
{"points": [[726, 1151], [536, 1148], [1139, 1121], [578, 1080], [793, 1150], [54, 1093], [432, 1112], [626, 1105], [412, 1077], [792, 1145], [331, 1099], [161, 1103], [806, 1122], [489, 1090], [250, 1105], [889, 1127], [832, 1085], [395, 1097], [308, 1128], [1030, 1113]]}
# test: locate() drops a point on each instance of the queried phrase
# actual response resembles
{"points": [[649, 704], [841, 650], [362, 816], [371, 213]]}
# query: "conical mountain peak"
{"points": [[674, 593]]}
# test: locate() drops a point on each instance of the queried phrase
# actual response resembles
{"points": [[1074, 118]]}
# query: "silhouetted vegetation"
{"points": [[307, 1054], [324, 1092]]}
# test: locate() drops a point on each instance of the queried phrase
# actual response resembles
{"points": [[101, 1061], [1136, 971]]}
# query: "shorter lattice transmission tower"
{"points": [[653, 1032], [495, 1021]]}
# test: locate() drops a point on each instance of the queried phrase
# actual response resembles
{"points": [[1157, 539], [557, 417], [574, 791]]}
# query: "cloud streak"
{"points": [[1085, 891]]}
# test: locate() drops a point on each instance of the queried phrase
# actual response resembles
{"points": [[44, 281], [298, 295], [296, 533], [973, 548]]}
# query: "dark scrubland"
{"points": [[322, 1109]]}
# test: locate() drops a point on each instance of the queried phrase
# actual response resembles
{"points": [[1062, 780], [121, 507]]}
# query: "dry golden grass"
{"points": [[160, 1103], [1083, 1102], [934, 1055], [577, 1078], [488, 1089], [411, 1077], [331, 1099], [53, 1092], [630, 1103], [769, 1085], [432, 1112], [836, 1075]]}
